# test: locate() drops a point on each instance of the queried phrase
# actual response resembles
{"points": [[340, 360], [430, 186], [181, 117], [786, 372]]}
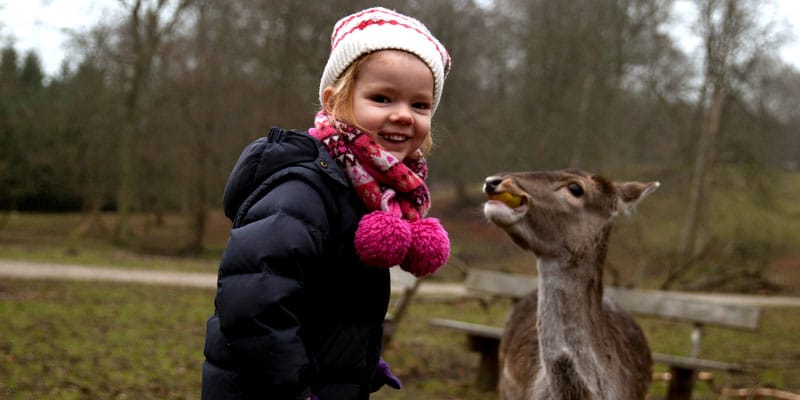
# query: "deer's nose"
{"points": [[491, 184]]}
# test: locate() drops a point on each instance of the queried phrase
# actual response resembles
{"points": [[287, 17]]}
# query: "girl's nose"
{"points": [[402, 115]]}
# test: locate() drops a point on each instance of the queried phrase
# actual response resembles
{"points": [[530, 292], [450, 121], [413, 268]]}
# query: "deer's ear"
{"points": [[629, 194]]}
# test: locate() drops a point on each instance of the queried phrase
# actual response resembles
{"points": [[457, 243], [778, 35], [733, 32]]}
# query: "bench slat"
{"points": [[499, 283], [685, 308], [655, 303], [486, 331], [495, 333], [696, 363]]}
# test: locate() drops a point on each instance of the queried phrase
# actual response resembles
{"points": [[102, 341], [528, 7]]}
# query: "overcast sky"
{"points": [[40, 25]]}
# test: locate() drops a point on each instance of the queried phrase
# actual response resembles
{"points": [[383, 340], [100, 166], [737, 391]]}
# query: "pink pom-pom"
{"points": [[430, 248], [382, 240]]}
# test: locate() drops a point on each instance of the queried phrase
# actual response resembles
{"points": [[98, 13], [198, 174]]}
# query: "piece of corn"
{"points": [[507, 198]]}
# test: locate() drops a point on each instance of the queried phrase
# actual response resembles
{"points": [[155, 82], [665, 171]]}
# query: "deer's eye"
{"points": [[575, 189]]}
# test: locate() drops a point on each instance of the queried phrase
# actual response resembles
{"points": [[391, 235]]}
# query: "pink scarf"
{"points": [[396, 232], [381, 180]]}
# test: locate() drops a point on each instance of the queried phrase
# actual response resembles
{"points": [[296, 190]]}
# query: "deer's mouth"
{"points": [[510, 200], [505, 209]]}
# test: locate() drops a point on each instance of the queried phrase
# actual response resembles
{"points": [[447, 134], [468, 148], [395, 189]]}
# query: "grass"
{"points": [[78, 340], [65, 238], [69, 340]]}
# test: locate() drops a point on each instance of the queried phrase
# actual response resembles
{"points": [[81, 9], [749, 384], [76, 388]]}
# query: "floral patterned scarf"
{"points": [[381, 180]]}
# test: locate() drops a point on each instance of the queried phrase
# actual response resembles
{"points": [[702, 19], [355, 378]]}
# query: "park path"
{"points": [[38, 270], [52, 271]]}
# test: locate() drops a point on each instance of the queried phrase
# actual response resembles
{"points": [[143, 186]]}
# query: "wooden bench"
{"points": [[682, 307]]}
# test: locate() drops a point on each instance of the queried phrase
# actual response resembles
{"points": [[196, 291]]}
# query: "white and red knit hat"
{"points": [[376, 29]]}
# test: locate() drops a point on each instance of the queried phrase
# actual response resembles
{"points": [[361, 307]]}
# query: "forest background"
{"points": [[153, 106]]}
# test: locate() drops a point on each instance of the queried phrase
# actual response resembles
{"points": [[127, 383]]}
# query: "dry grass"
{"points": [[70, 340]]}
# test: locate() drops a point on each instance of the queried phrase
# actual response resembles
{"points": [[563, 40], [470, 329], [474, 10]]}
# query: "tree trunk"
{"points": [[703, 161], [576, 160]]}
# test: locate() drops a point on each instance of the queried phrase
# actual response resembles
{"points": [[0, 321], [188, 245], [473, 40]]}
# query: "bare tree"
{"points": [[90, 108], [722, 25], [144, 33], [210, 101]]}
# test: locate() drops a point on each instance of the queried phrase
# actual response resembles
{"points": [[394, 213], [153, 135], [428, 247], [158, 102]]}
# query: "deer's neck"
{"points": [[570, 299], [570, 315]]}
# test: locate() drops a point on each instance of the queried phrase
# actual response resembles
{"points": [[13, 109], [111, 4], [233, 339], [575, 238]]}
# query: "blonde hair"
{"points": [[341, 98]]}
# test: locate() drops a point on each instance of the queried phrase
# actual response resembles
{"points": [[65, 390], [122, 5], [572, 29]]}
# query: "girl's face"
{"points": [[392, 99]]}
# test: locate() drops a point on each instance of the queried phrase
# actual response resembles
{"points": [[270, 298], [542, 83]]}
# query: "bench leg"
{"points": [[681, 384], [489, 366]]}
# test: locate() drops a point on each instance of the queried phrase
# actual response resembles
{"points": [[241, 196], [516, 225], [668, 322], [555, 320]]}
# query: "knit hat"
{"points": [[376, 29]]}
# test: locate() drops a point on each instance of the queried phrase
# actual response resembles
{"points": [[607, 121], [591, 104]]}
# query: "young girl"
{"points": [[320, 216]]}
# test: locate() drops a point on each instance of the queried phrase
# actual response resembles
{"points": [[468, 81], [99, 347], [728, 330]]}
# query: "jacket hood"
{"points": [[261, 159]]}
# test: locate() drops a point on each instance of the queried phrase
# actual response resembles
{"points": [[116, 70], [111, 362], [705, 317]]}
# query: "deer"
{"points": [[566, 340]]}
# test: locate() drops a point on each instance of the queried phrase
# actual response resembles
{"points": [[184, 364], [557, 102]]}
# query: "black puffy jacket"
{"points": [[296, 312]]}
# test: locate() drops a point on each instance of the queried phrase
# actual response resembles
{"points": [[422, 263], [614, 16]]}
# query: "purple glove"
{"points": [[390, 379], [313, 397]]}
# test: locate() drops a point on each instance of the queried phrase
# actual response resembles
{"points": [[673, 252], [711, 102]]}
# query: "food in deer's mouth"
{"points": [[507, 198]]}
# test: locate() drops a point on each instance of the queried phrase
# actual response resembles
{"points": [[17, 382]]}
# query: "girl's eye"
{"points": [[421, 106], [379, 99], [575, 189]]}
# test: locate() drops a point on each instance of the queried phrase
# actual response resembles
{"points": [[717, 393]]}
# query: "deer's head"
{"points": [[555, 212]]}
